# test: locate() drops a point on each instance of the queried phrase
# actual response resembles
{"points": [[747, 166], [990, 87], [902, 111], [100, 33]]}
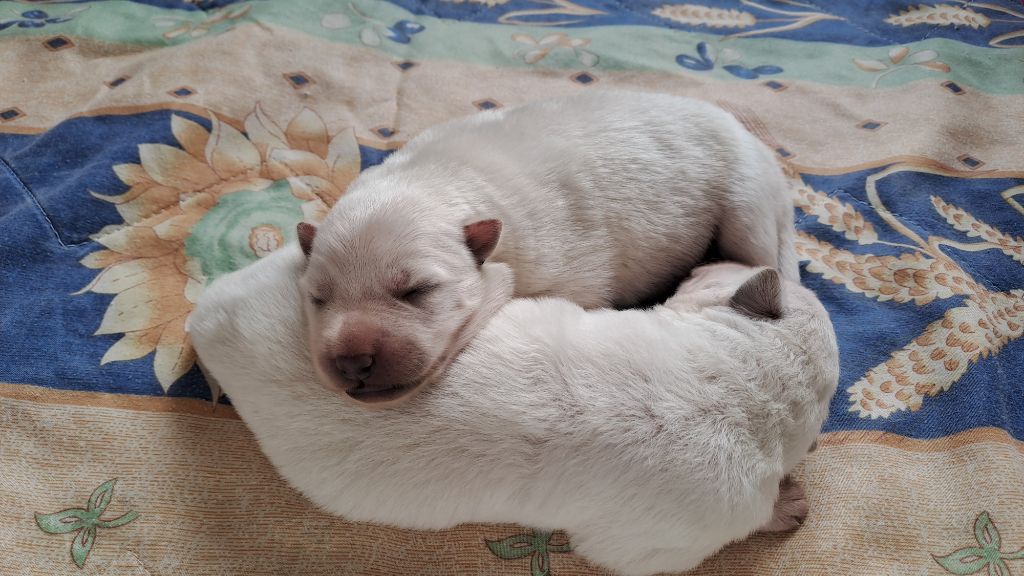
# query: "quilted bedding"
{"points": [[149, 146]]}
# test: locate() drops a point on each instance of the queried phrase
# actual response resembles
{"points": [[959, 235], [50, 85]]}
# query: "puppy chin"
{"points": [[431, 372], [382, 399], [378, 394]]}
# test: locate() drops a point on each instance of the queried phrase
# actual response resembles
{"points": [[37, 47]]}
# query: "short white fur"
{"points": [[654, 437], [605, 198]]}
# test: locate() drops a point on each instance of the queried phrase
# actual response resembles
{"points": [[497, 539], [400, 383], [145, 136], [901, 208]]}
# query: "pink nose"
{"points": [[354, 368]]}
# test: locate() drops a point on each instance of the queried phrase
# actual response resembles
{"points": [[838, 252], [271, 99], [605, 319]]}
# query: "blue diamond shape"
{"points": [[117, 82], [487, 104], [58, 42], [405, 65], [970, 161], [10, 114], [870, 125], [774, 85], [183, 92], [298, 79], [783, 152], [953, 87], [384, 131], [583, 78]]}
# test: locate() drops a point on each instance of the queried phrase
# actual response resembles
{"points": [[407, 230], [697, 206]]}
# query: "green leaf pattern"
{"points": [[537, 545], [84, 521], [101, 497], [986, 533], [972, 559], [64, 521], [82, 545]]}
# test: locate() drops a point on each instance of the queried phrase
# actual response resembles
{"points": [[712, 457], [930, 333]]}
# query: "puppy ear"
{"points": [[306, 232], [481, 238], [760, 296]]}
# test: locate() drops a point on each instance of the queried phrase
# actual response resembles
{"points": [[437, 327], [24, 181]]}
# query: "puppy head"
{"points": [[755, 292], [391, 298]]}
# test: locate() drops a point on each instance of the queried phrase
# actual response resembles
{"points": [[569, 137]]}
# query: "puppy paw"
{"points": [[790, 509]]}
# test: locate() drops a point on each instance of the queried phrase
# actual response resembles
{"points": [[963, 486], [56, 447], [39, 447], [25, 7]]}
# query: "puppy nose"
{"points": [[356, 368]]}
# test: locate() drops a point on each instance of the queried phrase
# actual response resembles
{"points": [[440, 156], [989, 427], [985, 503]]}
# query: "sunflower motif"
{"points": [[222, 200]]}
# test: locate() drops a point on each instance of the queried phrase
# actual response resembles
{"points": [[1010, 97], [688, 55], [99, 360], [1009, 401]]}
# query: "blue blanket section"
{"points": [[193, 5], [47, 213], [990, 393], [855, 23]]}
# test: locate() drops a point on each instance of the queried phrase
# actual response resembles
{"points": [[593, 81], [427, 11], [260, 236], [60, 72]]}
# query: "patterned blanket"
{"points": [[149, 146]]}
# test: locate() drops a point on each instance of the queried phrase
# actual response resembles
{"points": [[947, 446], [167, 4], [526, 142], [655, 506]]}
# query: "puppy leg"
{"points": [[790, 509]]}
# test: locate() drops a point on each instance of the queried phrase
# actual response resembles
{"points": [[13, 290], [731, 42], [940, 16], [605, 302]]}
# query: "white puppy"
{"points": [[603, 198], [654, 437]]}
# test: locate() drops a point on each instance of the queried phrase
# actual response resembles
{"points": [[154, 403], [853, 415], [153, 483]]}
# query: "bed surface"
{"points": [[148, 147]]}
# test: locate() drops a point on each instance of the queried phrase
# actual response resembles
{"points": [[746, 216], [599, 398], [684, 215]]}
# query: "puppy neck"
{"points": [[498, 290]]}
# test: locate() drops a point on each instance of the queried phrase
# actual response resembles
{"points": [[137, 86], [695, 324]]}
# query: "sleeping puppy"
{"points": [[654, 437], [603, 199]]}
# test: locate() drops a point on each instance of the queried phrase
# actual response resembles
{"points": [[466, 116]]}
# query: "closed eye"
{"points": [[318, 302], [416, 292]]}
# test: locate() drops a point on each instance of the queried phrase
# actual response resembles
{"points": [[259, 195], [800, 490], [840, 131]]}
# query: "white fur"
{"points": [[654, 437], [606, 198]]}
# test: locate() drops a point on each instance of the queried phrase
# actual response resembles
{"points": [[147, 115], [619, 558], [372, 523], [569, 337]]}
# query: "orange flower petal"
{"points": [[311, 187], [132, 174], [139, 241], [190, 135], [253, 184], [125, 275], [174, 353], [176, 168], [308, 132], [178, 227], [188, 267], [145, 306], [229, 152], [343, 157], [301, 189], [134, 345], [285, 163], [103, 259], [156, 199], [263, 132], [131, 194]]}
